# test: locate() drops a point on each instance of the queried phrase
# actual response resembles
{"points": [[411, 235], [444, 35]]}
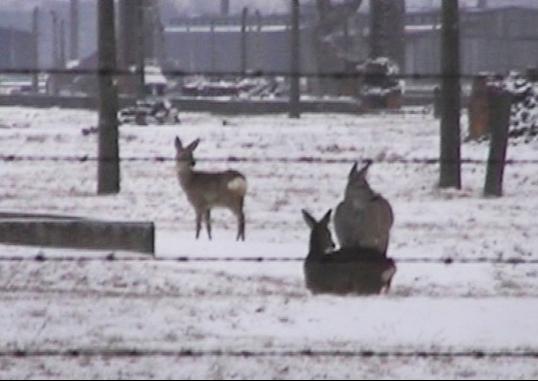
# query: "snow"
{"points": [[265, 306]]}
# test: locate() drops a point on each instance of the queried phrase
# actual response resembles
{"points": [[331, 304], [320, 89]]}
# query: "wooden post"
{"points": [[500, 104], [244, 17], [212, 47], [142, 50], [108, 175], [61, 36], [35, 50], [259, 49], [295, 61], [437, 105], [224, 8], [450, 157], [74, 30], [479, 108], [53, 79], [55, 52]]}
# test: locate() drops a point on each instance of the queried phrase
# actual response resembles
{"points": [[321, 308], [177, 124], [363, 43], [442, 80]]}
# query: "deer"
{"points": [[357, 270], [208, 190], [364, 218]]}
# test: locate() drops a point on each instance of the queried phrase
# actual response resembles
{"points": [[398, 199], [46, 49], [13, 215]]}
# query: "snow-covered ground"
{"points": [[264, 306]]}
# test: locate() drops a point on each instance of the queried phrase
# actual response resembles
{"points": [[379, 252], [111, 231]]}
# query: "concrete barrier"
{"points": [[76, 233]]}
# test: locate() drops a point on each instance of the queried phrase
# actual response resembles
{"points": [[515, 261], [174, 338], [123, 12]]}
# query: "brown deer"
{"points": [[364, 218], [356, 270], [208, 190]]}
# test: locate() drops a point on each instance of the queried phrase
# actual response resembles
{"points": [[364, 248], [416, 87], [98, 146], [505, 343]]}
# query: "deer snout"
{"points": [[330, 247]]}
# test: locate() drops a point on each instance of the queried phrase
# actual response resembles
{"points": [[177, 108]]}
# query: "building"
{"points": [[492, 39], [15, 49]]}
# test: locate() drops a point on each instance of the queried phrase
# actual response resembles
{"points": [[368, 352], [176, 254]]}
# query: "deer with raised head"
{"points": [[354, 270], [364, 218], [208, 190]]}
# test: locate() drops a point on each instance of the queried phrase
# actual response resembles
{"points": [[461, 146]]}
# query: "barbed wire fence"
{"points": [[97, 352]]}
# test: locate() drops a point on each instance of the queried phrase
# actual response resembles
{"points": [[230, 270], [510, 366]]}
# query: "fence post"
{"points": [[500, 102], [35, 49], [295, 62], [244, 60], [437, 106], [108, 171]]}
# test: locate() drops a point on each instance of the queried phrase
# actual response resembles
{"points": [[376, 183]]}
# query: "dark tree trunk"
{"points": [[387, 30]]}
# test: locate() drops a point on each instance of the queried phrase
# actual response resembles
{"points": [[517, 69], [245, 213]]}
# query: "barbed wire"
{"points": [[235, 73], [192, 353], [111, 258], [245, 159]]}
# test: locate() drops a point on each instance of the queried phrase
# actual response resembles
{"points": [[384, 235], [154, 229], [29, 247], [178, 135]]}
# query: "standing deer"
{"points": [[354, 270], [206, 190], [364, 218]]}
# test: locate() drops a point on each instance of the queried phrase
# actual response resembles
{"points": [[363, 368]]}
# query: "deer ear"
{"points": [[327, 217], [364, 170], [310, 221], [353, 169], [193, 145], [178, 143]]}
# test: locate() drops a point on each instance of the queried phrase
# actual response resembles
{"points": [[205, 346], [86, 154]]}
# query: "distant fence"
{"points": [[219, 106]]}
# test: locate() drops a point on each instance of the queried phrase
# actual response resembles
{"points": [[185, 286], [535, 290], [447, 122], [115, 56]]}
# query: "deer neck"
{"points": [[315, 250], [184, 172], [359, 198]]}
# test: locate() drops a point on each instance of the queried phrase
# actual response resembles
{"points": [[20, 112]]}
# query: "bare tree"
{"points": [[450, 158], [295, 62], [108, 176], [129, 40], [387, 32], [331, 18]]}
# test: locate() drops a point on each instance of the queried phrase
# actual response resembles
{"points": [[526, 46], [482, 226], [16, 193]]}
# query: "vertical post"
{"points": [[128, 40], [500, 103], [12, 43], [259, 48], [450, 157], [377, 37], [74, 30], [224, 8], [53, 79], [108, 173], [141, 50], [294, 61], [35, 49], [244, 17], [54, 31], [437, 105], [212, 47], [61, 36]]}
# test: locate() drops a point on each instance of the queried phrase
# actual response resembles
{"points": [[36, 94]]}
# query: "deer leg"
{"points": [[208, 223], [241, 229], [198, 224], [241, 222]]}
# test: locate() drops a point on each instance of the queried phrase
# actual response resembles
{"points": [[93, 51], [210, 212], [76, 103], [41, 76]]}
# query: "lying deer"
{"points": [[364, 218], [355, 270], [206, 190]]}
